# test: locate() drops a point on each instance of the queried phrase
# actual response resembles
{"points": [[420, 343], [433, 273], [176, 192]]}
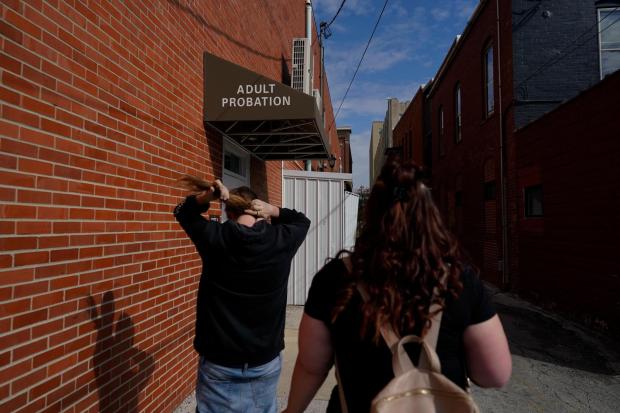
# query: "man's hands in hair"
{"points": [[262, 209], [217, 190]]}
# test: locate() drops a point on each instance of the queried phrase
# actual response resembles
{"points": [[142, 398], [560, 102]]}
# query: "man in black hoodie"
{"points": [[241, 302]]}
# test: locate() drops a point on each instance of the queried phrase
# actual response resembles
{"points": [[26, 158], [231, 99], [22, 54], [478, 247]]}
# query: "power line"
{"points": [[337, 13], [593, 26], [567, 52], [358, 65]]}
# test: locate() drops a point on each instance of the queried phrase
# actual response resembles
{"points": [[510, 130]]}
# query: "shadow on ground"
{"points": [[535, 335]]}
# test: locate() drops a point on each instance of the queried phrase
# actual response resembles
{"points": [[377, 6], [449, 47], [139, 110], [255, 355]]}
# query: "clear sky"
{"points": [[409, 45]]}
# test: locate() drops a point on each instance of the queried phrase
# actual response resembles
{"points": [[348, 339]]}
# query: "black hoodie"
{"points": [[242, 291]]}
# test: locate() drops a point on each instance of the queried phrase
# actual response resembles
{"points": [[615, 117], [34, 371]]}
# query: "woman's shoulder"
{"points": [[324, 290], [474, 299], [333, 273]]}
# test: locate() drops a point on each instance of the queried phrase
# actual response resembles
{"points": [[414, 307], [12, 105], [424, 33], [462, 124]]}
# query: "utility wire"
{"points": [[358, 65], [337, 13], [567, 52]]}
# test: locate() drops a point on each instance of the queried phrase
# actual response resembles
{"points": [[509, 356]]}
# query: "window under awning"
{"points": [[269, 119]]}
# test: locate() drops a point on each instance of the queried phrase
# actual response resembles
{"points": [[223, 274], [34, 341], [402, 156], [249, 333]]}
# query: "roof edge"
{"points": [[458, 41]]}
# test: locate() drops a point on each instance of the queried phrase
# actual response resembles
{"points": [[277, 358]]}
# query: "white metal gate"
{"points": [[322, 197]]}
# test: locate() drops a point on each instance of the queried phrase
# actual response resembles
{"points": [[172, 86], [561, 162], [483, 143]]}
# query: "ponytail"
{"points": [[238, 201], [194, 184]]}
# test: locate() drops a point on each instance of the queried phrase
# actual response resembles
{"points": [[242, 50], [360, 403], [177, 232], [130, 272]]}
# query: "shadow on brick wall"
{"points": [[259, 179], [209, 26], [286, 74], [121, 370]]}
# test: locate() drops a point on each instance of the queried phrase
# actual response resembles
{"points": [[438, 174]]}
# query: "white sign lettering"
{"points": [[247, 97]]}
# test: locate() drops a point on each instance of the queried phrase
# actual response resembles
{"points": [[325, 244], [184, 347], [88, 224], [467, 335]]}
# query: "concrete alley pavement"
{"points": [[558, 366]]}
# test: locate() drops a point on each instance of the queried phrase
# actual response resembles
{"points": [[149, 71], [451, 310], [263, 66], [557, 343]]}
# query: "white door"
{"points": [[236, 168]]}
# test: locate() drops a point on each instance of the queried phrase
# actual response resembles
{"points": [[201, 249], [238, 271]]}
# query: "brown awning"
{"points": [[269, 119]]}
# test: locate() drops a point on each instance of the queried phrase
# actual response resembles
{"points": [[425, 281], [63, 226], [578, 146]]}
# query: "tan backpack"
{"points": [[421, 389]]}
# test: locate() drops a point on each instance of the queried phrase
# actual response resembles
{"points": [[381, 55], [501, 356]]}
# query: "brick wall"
{"points": [[344, 161], [555, 47], [569, 257], [408, 132], [460, 171], [101, 112]]}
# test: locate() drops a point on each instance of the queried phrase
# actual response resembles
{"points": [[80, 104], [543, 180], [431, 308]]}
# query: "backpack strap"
{"points": [[401, 363], [343, 401], [431, 337], [347, 263]]}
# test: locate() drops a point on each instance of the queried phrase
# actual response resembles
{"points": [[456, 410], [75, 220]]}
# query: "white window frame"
{"points": [[458, 113], [244, 158], [600, 50], [229, 146], [442, 132], [528, 193], [489, 90]]}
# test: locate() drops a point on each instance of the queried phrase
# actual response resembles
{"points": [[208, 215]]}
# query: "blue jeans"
{"points": [[222, 389]]}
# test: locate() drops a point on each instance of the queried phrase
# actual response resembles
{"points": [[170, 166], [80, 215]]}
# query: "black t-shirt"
{"points": [[365, 368]]}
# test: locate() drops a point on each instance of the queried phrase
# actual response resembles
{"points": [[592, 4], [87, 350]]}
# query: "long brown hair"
{"points": [[239, 198], [405, 256]]}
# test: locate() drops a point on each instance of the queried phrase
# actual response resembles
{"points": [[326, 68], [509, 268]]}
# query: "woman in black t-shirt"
{"points": [[407, 261]]}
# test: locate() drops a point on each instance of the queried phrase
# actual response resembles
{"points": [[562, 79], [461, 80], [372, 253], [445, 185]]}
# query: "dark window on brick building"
{"points": [[233, 163], [534, 201], [609, 40], [458, 199], [487, 67], [490, 191], [457, 114]]}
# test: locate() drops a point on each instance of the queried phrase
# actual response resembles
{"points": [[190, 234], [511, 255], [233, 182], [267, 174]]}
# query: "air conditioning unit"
{"points": [[300, 78]]}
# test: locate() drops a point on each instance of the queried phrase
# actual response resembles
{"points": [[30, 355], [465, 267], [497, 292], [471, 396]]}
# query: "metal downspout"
{"points": [[309, 46], [321, 76], [502, 159]]}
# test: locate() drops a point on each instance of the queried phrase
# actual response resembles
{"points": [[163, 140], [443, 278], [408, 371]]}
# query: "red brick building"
{"points": [[344, 150], [568, 244], [505, 122], [409, 131], [102, 109], [466, 156]]}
